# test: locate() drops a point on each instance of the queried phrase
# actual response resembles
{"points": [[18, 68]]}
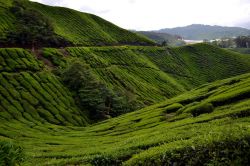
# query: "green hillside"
{"points": [[91, 93], [208, 125], [187, 66], [152, 74], [134, 76], [78, 28], [31, 93]]}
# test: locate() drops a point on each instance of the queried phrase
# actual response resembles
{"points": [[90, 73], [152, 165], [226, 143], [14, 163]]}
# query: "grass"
{"points": [[148, 136], [10, 154]]}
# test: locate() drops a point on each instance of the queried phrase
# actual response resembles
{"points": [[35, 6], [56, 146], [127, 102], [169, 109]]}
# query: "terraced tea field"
{"points": [[77, 27], [183, 129], [29, 92], [187, 105], [156, 73]]}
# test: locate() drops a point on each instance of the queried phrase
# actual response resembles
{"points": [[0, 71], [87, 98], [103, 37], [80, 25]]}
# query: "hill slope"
{"points": [[143, 75], [30, 93], [76, 27], [200, 32], [199, 127], [187, 66], [171, 40]]}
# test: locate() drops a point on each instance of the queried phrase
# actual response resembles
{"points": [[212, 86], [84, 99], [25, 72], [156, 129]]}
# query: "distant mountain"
{"points": [[200, 32], [173, 40]]}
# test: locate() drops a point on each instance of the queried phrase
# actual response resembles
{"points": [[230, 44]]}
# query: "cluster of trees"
{"points": [[243, 42], [224, 42], [239, 42], [92, 95], [32, 29]]}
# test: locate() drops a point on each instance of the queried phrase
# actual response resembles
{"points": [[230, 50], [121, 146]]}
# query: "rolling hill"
{"points": [[145, 75], [155, 105], [200, 32], [79, 28], [200, 127]]}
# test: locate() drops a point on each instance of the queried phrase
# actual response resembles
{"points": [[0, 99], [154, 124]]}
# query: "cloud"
{"points": [[132, 1], [157, 14]]}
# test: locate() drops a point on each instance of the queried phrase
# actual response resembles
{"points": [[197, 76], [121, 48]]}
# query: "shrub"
{"points": [[32, 100], [105, 160], [47, 116], [10, 154], [5, 115], [173, 108], [202, 109]]}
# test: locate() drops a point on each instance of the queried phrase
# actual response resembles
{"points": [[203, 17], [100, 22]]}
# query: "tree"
{"points": [[242, 41], [164, 43], [32, 29], [205, 41], [91, 94]]}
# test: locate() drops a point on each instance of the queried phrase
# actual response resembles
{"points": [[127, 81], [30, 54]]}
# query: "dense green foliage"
{"points": [[150, 136], [135, 77], [10, 154], [200, 32], [100, 101], [28, 92], [31, 29]]}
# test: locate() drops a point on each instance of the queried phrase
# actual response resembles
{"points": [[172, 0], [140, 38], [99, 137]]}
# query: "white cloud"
{"points": [[156, 14]]}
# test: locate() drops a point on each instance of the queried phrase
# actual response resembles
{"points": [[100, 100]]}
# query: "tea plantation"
{"points": [[208, 125], [77, 27], [157, 73], [30, 92], [83, 91]]}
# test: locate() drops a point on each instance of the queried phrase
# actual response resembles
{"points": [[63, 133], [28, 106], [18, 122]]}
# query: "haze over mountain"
{"points": [[200, 31]]}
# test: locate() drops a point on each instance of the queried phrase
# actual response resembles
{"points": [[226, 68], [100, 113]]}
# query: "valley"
{"points": [[84, 91]]}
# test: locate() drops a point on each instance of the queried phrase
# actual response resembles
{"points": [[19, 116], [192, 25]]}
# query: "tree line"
{"points": [[238, 42]]}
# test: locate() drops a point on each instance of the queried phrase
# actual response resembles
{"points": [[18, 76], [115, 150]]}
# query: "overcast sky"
{"points": [[157, 14]]}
